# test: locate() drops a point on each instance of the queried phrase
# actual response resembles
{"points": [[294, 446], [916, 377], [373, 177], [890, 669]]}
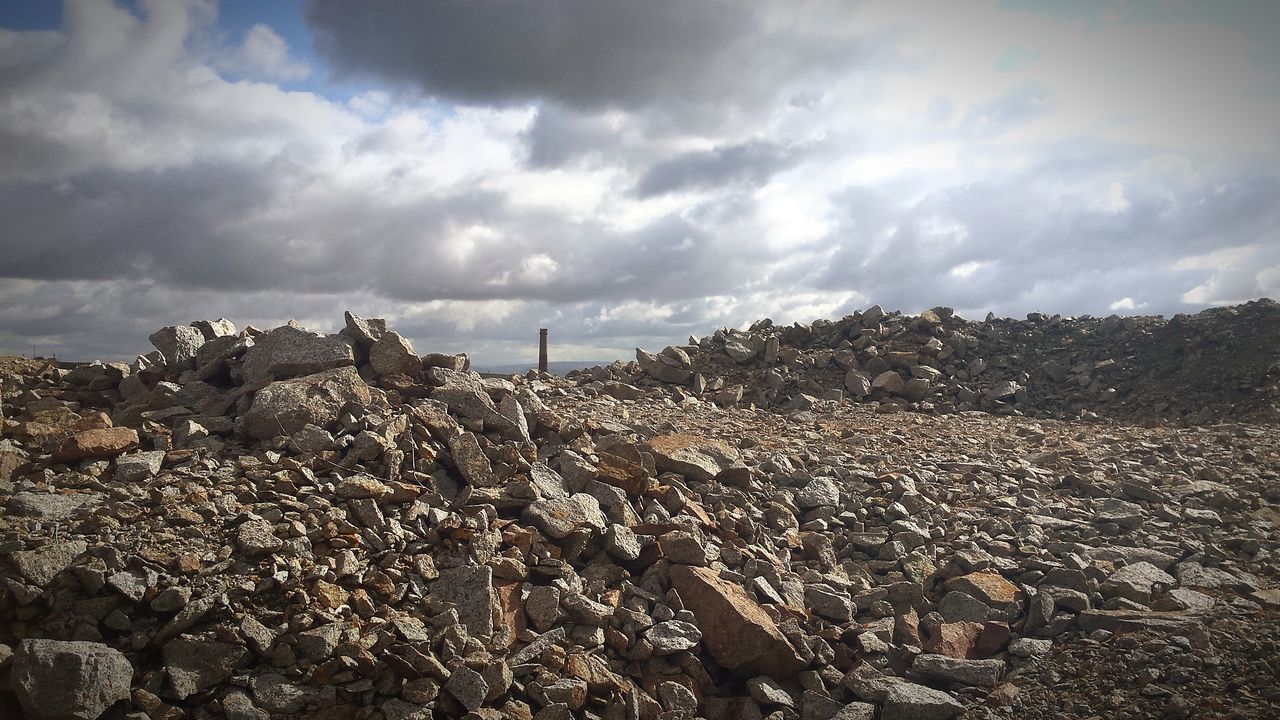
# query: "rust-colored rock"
{"points": [[100, 443], [988, 587], [954, 639], [735, 630]]}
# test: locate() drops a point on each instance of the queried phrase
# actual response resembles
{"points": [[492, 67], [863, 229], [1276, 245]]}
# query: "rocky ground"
{"points": [[282, 524]]}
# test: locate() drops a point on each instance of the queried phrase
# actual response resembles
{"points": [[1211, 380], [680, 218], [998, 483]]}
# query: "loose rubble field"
{"points": [[282, 524]]}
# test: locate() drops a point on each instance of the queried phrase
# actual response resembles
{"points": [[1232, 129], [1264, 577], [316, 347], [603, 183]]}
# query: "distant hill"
{"points": [[558, 368]]}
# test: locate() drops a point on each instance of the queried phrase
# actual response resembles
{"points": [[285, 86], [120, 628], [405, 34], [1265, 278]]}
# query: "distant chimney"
{"points": [[542, 350]]}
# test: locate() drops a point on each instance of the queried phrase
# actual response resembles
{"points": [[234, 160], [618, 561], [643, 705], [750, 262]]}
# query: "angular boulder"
{"points": [[289, 352], [735, 630], [98, 443], [287, 406], [695, 457], [56, 680]]}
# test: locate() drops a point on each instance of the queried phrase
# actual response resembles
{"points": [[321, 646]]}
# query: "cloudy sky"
{"points": [[625, 173]]}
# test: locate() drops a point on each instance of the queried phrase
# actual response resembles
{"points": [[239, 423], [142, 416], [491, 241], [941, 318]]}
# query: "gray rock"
{"points": [[557, 517], [696, 458], [767, 691], [908, 701], [820, 492], [1030, 647], [857, 384], [467, 687], [311, 439], [237, 706], [661, 371], [275, 694], [41, 565], [178, 345], [285, 407], [50, 506], [856, 711], [195, 666], [364, 331], [56, 680], [889, 381], [394, 355], [675, 697], [683, 547], [257, 537], [211, 329], [318, 643], [828, 604], [543, 607], [290, 352], [621, 543], [1121, 512], [470, 589], [673, 636], [471, 462], [1136, 582], [980, 673], [139, 466], [957, 606]]}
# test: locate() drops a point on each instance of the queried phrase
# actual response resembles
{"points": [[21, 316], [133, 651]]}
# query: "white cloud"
{"points": [[903, 167]]}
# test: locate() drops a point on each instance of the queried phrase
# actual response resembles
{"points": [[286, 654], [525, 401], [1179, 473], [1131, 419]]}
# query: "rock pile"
{"points": [[250, 525], [1223, 363]]}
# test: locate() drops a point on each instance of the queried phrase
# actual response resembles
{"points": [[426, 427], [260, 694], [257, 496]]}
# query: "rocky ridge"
{"points": [[1221, 364], [284, 524]]}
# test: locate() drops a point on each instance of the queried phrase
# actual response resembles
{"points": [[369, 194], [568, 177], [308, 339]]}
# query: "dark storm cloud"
{"points": [[751, 163], [582, 53]]}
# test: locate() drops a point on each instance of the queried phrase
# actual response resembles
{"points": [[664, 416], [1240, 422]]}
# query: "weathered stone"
{"points": [[557, 517], [285, 407], [290, 352], [257, 537], [472, 463], [50, 506], [694, 457], [820, 492], [987, 587], [470, 590], [735, 630], [56, 680], [99, 443], [981, 673], [139, 466], [908, 701], [178, 345], [393, 355], [858, 384], [1136, 582], [42, 565], [198, 665], [467, 687], [673, 636]]}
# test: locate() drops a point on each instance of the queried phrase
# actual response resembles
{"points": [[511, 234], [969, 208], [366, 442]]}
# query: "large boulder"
{"points": [[289, 352], [695, 457], [97, 443], [287, 406], [178, 345], [56, 680], [735, 630], [394, 355]]}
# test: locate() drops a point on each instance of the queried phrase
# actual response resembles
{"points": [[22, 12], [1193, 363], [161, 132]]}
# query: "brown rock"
{"points": [[956, 639], [988, 587], [735, 630], [100, 443]]}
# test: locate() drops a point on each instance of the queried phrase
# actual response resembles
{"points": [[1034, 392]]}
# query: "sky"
{"points": [[625, 173]]}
